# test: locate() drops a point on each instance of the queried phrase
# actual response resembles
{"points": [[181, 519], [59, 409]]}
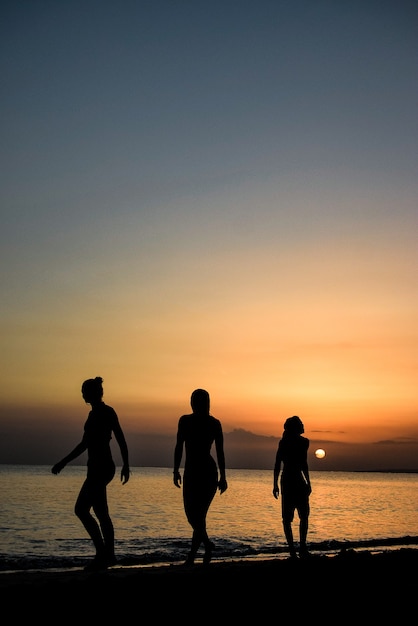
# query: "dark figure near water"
{"points": [[197, 432], [101, 423], [295, 484]]}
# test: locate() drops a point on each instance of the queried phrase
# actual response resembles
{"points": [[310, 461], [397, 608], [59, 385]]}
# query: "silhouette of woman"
{"points": [[101, 422], [197, 432], [295, 482]]}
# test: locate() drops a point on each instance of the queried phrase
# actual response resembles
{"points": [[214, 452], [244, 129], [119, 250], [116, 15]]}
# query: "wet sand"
{"points": [[352, 584]]}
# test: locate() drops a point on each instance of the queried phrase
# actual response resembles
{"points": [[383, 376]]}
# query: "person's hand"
{"points": [[222, 485], [276, 491], [124, 474], [309, 490], [58, 467], [177, 478]]}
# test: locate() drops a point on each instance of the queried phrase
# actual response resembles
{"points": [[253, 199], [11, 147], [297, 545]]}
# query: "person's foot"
{"points": [[108, 554], [207, 557], [293, 555], [189, 561], [97, 564], [111, 560], [304, 553]]}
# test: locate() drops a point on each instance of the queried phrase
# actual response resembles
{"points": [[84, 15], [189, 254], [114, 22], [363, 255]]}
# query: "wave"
{"points": [[175, 551]]}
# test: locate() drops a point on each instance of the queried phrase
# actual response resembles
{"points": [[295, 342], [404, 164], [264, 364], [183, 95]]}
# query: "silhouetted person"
{"points": [[197, 432], [295, 484], [101, 423]]}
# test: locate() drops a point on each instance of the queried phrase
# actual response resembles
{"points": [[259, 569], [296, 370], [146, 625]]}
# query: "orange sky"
{"points": [[322, 330]]}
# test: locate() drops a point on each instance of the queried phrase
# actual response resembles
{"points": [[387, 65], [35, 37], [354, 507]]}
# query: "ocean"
{"points": [[39, 530]]}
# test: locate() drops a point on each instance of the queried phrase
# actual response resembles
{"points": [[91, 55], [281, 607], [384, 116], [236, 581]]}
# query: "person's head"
{"points": [[293, 426], [200, 401], [92, 389]]}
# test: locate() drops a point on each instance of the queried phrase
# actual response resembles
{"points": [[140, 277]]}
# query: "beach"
{"points": [[348, 585]]}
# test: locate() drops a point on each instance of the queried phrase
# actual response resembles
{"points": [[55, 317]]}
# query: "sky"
{"points": [[211, 194]]}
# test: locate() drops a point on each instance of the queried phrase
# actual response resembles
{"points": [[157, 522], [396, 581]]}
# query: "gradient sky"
{"points": [[211, 194]]}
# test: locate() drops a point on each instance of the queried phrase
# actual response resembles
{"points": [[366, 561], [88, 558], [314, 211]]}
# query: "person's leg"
{"points": [[101, 509], [191, 509], [303, 531], [196, 508], [82, 510], [288, 533], [209, 545], [303, 512], [196, 541], [287, 519]]}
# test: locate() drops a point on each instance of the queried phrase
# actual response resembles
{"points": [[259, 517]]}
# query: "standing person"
{"points": [[292, 453], [101, 422], [197, 432]]}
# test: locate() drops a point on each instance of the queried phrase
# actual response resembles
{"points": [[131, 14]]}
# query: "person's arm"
{"points": [[305, 470], [305, 473], [276, 473], [79, 449], [220, 455], [120, 438], [178, 453]]}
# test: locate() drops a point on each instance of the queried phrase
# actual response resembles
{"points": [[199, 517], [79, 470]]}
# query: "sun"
{"points": [[320, 453]]}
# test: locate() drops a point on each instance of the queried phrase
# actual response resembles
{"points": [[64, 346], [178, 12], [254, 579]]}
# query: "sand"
{"points": [[335, 588]]}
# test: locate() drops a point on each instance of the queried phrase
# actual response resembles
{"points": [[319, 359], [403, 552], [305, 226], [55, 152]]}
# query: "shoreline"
{"points": [[39, 564]]}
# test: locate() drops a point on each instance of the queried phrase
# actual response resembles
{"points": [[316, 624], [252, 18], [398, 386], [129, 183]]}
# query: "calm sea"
{"points": [[38, 528]]}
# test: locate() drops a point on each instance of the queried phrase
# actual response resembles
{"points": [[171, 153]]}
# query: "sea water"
{"points": [[38, 527]]}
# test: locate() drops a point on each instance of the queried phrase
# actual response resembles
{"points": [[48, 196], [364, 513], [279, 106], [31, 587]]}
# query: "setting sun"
{"points": [[319, 453]]}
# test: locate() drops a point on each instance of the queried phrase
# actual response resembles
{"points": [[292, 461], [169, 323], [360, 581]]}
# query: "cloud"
{"points": [[397, 440]]}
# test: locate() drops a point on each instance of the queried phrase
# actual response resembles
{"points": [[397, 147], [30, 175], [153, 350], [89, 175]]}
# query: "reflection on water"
{"points": [[37, 512]]}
